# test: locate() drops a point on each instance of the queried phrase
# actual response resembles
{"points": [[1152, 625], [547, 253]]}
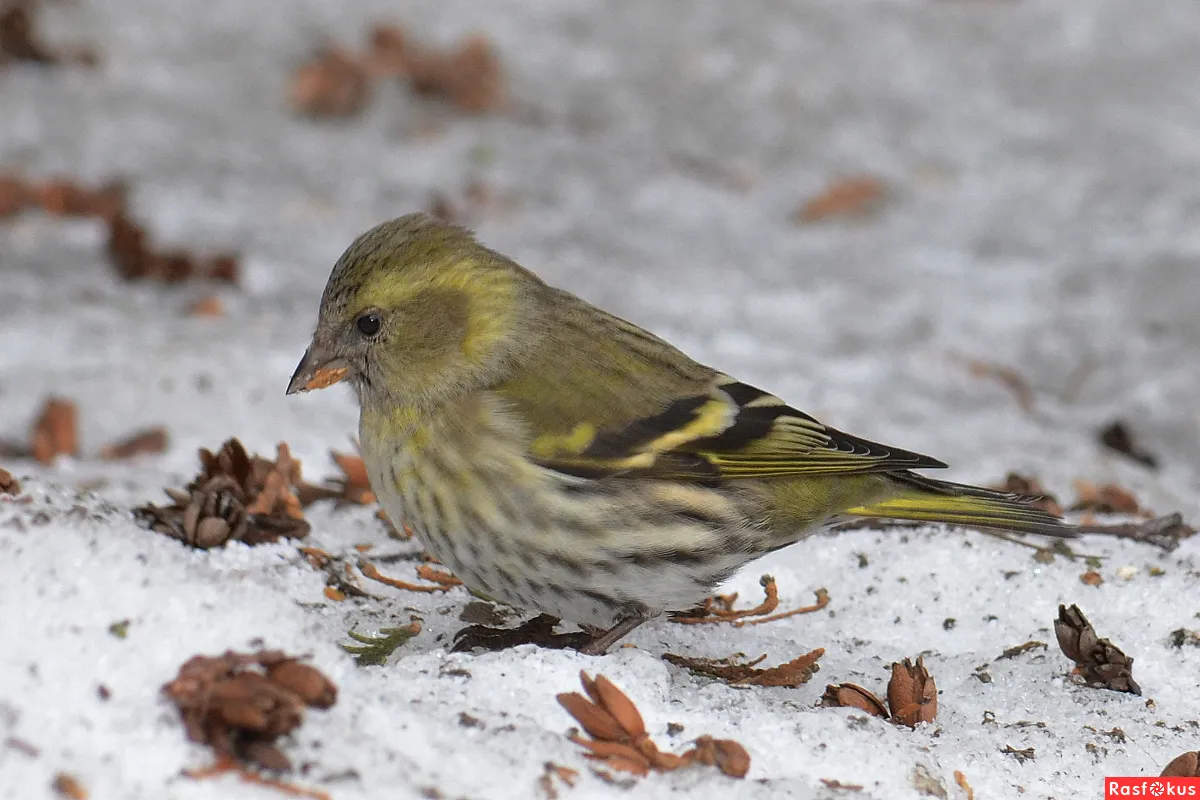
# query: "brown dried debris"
{"points": [[208, 307], [1105, 499], [1021, 649], [316, 557], [306, 682], [60, 197], [356, 485], [833, 783], [619, 737], [1031, 490], [236, 497], [724, 754], [14, 195], [736, 672], [275, 483], [926, 784], [857, 196], [912, 693], [1098, 661], [333, 84], [54, 432], [1184, 765], [476, 198], [427, 572], [737, 176], [470, 78], [550, 771], [337, 83], [128, 247], [135, 259], [239, 704], [69, 786], [1181, 636], [441, 581], [225, 765], [19, 40], [1022, 754], [719, 608], [1118, 437], [21, 746], [1163, 532], [339, 575], [538, 630], [401, 533], [480, 612], [961, 780], [1091, 578], [63, 197], [352, 488], [9, 484], [851, 695], [1007, 377], [150, 441], [387, 52]]}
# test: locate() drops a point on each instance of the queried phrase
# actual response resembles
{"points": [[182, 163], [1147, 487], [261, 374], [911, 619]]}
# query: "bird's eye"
{"points": [[368, 324]]}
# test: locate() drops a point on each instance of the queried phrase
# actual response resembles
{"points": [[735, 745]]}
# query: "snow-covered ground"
{"points": [[1044, 171]]}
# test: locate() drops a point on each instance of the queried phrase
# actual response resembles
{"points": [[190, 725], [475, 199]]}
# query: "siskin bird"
{"points": [[560, 459]]}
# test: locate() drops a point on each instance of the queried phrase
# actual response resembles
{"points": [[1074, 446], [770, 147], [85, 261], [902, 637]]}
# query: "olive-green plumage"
{"points": [[561, 459]]}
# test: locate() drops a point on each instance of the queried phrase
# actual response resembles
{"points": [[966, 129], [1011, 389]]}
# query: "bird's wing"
{"points": [[731, 431]]}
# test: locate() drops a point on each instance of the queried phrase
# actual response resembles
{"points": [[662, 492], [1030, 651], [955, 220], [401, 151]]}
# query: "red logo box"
{"points": [[1151, 788]]}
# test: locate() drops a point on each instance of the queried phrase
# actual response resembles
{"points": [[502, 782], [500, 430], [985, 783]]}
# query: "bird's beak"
{"points": [[317, 370]]}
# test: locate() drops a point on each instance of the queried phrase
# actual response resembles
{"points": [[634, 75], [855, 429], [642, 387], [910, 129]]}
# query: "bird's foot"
{"points": [[600, 640], [539, 631]]}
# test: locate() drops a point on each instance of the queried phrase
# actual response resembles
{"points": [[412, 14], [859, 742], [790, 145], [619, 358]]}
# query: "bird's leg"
{"points": [[539, 631], [601, 640]]}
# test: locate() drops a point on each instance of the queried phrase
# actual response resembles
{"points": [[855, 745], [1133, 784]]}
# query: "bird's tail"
{"points": [[928, 500]]}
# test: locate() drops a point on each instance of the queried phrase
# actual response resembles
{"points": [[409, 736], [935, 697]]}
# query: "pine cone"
{"points": [[240, 703], [208, 515], [236, 497], [1101, 663]]}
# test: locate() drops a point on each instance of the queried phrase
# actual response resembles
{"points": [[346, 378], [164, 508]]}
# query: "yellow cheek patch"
{"points": [[325, 377]]}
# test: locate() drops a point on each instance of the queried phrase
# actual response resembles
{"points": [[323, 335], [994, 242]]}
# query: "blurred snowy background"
{"points": [[1037, 172]]}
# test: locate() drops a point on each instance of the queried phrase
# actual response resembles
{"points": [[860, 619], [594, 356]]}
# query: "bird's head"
{"points": [[416, 312]]}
